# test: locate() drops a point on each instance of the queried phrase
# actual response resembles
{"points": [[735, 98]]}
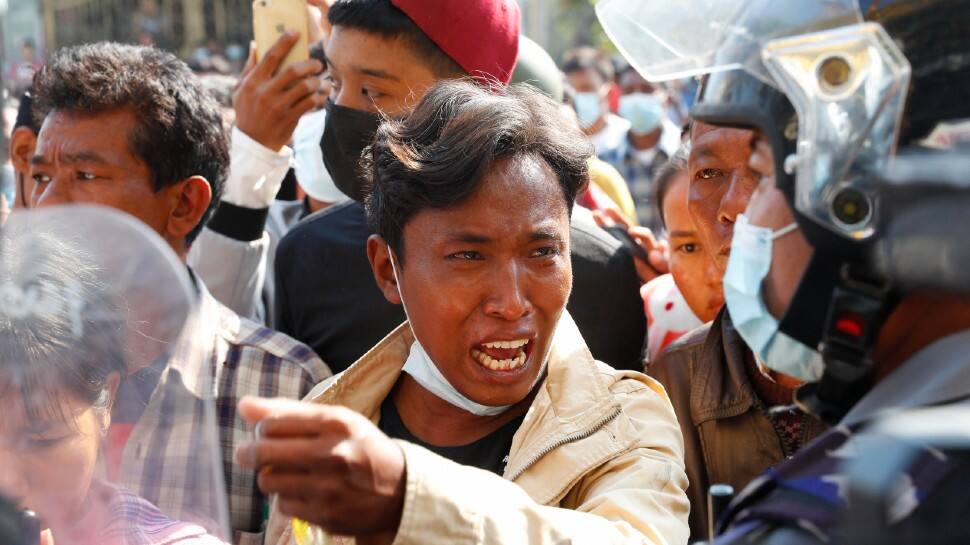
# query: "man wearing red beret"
{"points": [[382, 56]]}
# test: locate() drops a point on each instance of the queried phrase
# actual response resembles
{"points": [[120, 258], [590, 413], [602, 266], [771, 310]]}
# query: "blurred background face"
{"points": [[721, 184], [485, 282], [591, 96], [632, 82], [371, 73], [691, 265], [48, 459]]}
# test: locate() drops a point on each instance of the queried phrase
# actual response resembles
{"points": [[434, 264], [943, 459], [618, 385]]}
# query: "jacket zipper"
{"points": [[572, 437]]}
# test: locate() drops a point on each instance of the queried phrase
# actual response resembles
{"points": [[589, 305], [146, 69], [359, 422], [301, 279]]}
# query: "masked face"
{"points": [[644, 112], [369, 74], [347, 133], [311, 173], [588, 108], [590, 98], [749, 264]]}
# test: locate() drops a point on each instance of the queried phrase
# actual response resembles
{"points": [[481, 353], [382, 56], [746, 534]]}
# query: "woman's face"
{"points": [[692, 267], [485, 282], [48, 459]]}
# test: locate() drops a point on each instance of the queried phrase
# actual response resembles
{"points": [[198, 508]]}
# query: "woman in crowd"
{"points": [[62, 357], [691, 294]]}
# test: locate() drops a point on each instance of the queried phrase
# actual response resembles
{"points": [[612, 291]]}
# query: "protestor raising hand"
{"points": [[657, 251], [329, 465], [269, 101]]}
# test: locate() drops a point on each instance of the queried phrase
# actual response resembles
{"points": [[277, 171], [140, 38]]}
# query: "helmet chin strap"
{"points": [[857, 308]]}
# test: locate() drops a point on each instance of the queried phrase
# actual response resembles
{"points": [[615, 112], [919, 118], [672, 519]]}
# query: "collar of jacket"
{"points": [[560, 428], [720, 388]]}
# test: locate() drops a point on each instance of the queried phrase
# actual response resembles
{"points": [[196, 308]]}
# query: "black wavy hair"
{"points": [[180, 131], [437, 156]]}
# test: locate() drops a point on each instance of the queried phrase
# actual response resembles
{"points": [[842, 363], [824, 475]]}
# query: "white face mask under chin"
{"points": [[426, 373]]}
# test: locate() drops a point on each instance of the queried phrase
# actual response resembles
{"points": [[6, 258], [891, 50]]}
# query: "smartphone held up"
{"points": [[273, 18]]}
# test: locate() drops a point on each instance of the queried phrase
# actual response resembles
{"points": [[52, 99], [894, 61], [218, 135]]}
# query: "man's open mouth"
{"points": [[502, 355]]}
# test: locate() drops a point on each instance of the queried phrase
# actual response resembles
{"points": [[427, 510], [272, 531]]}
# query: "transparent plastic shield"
{"points": [[102, 373], [669, 39], [848, 87]]}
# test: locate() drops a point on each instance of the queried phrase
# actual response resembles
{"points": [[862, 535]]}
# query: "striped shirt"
{"points": [[166, 460], [134, 521]]}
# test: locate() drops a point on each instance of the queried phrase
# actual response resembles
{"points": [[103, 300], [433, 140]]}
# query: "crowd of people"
{"points": [[692, 295]]}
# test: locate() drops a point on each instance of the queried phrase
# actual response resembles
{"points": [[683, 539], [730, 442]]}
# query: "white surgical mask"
{"points": [[747, 268], [427, 374], [588, 108], [308, 158]]}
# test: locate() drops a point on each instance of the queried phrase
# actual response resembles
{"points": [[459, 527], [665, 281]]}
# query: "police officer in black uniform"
{"points": [[861, 108]]}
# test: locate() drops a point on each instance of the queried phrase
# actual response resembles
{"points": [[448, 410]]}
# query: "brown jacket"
{"points": [[728, 436], [597, 460]]}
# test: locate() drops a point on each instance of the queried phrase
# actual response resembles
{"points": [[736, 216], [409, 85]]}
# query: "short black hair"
{"points": [[438, 155], [583, 58], [387, 21], [25, 113], [180, 131], [666, 175]]}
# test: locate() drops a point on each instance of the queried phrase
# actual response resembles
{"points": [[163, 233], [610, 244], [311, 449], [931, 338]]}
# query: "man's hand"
{"points": [[269, 102], [323, 29], [329, 465], [657, 251]]}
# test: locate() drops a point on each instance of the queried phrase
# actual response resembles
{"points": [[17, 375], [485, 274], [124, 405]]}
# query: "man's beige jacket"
{"points": [[597, 460]]}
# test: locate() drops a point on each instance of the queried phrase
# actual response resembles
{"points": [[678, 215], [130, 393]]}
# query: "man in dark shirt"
{"points": [[382, 56]]}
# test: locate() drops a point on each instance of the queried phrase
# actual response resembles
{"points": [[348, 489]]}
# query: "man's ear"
{"points": [[22, 144], [23, 141], [379, 255], [114, 380], [191, 201]]}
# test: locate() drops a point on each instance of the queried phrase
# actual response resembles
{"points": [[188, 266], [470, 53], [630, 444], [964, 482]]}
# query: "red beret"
{"points": [[482, 36]]}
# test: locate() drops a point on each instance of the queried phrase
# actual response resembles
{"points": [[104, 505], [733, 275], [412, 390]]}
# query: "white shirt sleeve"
{"points": [[233, 271], [255, 172]]}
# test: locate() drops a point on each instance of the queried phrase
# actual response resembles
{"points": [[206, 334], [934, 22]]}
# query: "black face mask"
{"points": [[346, 134]]}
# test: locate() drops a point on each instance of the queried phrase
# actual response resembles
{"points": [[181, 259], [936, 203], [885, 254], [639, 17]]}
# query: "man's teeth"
{"points": [[499, 365], [507, 344]]}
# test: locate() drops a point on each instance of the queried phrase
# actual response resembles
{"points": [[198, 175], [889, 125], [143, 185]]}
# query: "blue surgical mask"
{"points": [[747, 268], [589, 108], [426, 373], [644, 112]]}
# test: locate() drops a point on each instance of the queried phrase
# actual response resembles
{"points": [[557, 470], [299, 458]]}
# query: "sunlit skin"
{"points": [[790, 253], [22, 144], [693, 269], [588, 80], [84, 158], [721, 183], [49, 460], [472, 274], [371, 73]]}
